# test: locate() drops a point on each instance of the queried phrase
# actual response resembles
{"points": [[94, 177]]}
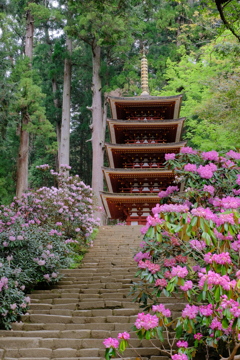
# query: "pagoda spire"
{"points": [[144, 74]]}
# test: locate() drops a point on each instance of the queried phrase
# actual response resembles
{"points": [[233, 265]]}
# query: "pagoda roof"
{"points": [[122, 125], [170, 105], [114, 203], [117, 149], [112, 175]]}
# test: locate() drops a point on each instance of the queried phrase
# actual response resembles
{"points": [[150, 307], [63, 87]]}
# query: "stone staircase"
{"points": [[88, 305]]}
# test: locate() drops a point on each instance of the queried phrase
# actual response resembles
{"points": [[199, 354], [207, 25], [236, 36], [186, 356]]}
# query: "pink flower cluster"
{"points": [[182, 344], [222, 258], [161, 309], [125, 335], [206, 310], [228, 202], [111, 342], [170, 208], [216, 324], [153, 268], [179, 271], [209, 188], [146, 321], [233, 154], [232, 305], [187, 285], [161, 283], [190, 311], [188, 150], [190, 167], [210, 155], [197, 244], [140, 256], [168, 191], [179, 357], [153, 221], [212, 278], [170, 156], [3, 283], [235, 245], [206, 172]]}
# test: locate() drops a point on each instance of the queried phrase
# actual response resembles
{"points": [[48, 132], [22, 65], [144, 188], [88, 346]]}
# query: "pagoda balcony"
{"points": [[141, 189], [146, 141], [143, 165]]}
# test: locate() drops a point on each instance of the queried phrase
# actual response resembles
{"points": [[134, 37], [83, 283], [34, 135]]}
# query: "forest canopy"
{"points": [[192, 48]]}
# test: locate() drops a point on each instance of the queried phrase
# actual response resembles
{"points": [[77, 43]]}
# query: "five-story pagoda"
{"points": [[142, 130]]}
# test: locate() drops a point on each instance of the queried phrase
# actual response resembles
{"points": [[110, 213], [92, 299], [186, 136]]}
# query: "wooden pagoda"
{"points": [[142, 130]]}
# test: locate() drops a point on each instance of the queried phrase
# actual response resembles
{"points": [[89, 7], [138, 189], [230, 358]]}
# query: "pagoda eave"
{"points": [[116, 151], [118, 127], [169, 105], [116, 205], [112, 176]]}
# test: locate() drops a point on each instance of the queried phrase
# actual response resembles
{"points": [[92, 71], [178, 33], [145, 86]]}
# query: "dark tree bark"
{"points": [[22, 162]]}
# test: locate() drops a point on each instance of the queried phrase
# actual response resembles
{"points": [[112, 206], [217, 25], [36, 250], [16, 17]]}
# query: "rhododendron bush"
{"points": [[40, 234], [190, 251]]}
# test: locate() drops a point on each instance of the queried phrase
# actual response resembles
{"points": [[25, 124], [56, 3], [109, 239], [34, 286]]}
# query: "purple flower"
{"points": [[188, 150], [179, 271], [190, 311], [209, 188], [146, 321], [190, 167], [233, 154], [210, 155], [182, 344], [41, 262], [197, 336], [161, 309], [125, 335], [170, 156], [111, 342], [179, 357], [187, 285], [12, 238]]}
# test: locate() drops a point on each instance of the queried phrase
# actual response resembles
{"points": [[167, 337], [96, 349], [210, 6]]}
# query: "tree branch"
{"points": [[224, 20]]}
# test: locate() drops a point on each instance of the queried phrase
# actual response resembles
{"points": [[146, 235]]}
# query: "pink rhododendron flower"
{"points": [[168, 191], [170, 156], [197, 336], [197, 244], [190, 167], [222, 258], [179, 271], [205, 171], [161, 283], [161, 309], [206, 310], [210, 155], [209, 188], [238, 179], [169, 262], [111, 342], [233, 154], [140, 256], [12, 238], [215, 324], [187, 285], [183, 344], [179, 357], [13, 306], [190, 311], [146, 322], [125, 335], [187, 150]]}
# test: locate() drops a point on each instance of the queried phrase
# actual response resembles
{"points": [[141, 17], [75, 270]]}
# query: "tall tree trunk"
{"points": [[98, 127], [22, 161], [66, 106], [58, 124]]}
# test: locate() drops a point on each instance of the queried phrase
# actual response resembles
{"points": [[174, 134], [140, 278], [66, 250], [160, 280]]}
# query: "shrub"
{"points": [[40, 234], [191, 251]]}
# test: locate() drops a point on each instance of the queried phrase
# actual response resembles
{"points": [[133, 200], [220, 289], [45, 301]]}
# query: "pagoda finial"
{"points": [[144, 73]]}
